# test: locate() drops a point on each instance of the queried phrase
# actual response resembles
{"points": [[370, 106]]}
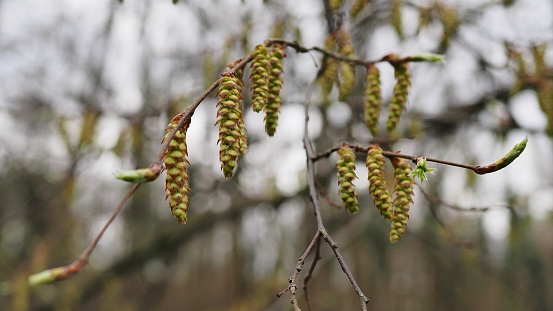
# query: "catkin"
{"points": [[357, 6], [347, 69], [272, 108], [175, 162], [335, 5], [373, 99], [396, 17], [378, 186], [399, 97], [346, 175], [259, 77], [229, 119], [403, 191], [329, 72]]}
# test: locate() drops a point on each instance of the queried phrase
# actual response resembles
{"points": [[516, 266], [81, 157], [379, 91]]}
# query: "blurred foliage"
{"points": [[88, 88]]}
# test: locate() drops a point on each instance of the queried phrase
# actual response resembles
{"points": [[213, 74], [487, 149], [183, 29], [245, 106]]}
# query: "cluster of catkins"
{"points": [[393, 207], [373, 95], [266, 70], [341, 73]]}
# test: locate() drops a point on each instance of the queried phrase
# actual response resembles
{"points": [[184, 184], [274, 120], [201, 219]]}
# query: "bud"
{"points": [[504, 161], [137, 176], [426, 57]]}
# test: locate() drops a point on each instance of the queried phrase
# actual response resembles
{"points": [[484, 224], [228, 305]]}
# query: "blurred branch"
{"points": [[437, 200]]}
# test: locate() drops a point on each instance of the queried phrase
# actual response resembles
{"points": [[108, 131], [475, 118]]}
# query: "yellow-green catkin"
{"points": [[544, 86], [403, 191], [378, 186], [329, 72], [396, 17], [357, 6], [347, 69], [373, 99], [272, 108], [450, 21], [521, 70], [176, 163], [239, 74], [335, 5], [229, 119], [346, 175], [259, 77], [398, 102]]}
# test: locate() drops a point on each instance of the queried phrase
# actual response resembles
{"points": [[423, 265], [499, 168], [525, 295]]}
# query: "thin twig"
{"points": [[309, 275], [478, 169], [437, 200], [293, 279], [317, 210], [72, 269]]}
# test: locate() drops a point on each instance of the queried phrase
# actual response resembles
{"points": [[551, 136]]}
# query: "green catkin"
{"points": [[378, 186], [403, 191], [396, 18], [357, 6], [398, 102], [259, 77], [450, 21], [272, 108], [373, 99], [176, 163], [346, 175], [347, 69], [239, 74], [521, 70], [329, 72], [544, 87], [229, 119], [335, 5]]}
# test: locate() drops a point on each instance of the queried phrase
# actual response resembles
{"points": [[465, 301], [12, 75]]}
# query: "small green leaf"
{"points": [[421, 170]]}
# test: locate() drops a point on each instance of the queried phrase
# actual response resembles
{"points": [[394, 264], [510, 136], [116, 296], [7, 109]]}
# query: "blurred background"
{"points": [[87, 88]]}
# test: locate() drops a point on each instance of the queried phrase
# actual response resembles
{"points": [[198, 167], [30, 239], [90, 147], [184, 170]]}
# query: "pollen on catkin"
{"points": [[230, 120], [398, 102], [373, 99], [259, 77], [346, 175], [403, 191], [272, 107], [176, 166], [378, 186]]}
